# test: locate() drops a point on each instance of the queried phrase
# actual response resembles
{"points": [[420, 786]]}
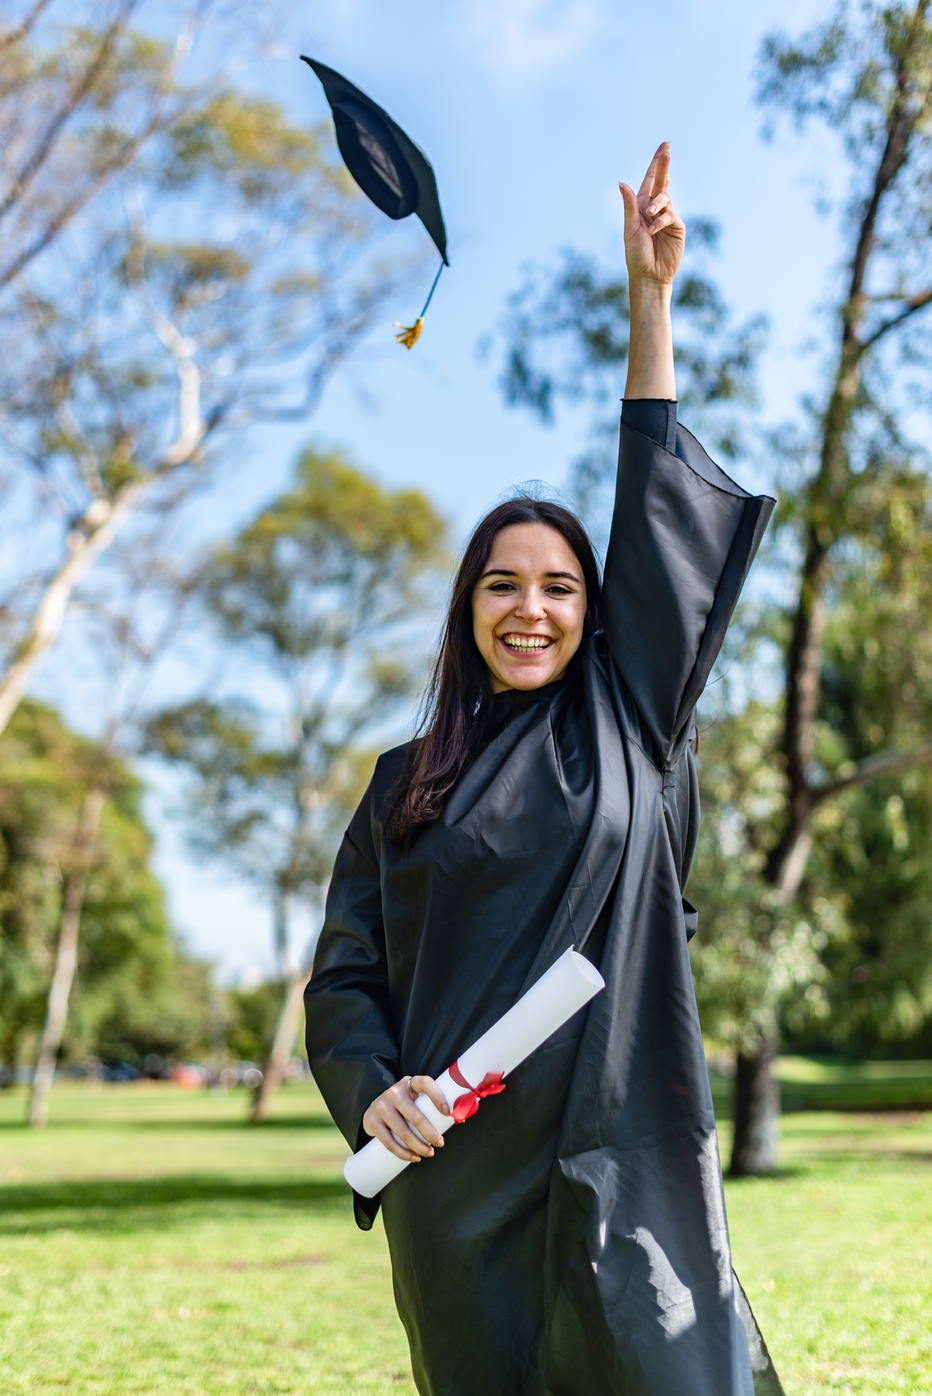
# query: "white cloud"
{"points": [[523, 38]]}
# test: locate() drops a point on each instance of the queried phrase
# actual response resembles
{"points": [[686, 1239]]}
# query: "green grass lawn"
{"points": [[151, 1242], [814, 1083]]}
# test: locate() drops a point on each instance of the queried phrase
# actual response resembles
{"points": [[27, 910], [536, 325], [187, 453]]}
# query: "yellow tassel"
{"points": [[410, 334]]}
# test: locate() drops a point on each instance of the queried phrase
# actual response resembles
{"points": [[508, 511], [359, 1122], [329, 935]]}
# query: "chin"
{"points": [[528, 680]]}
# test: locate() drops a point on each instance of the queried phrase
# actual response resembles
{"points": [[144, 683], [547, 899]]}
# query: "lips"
{"points": [[526, 644]]}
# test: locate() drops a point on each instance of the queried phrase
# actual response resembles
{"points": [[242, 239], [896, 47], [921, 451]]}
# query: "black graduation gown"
{"points": [[570, 1239]]}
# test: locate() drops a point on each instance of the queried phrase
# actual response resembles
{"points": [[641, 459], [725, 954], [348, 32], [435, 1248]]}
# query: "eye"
{"points": [[558, 590], [501, 586]]}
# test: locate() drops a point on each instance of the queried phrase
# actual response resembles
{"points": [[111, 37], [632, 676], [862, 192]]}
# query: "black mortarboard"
{"points": [[386, 164]]}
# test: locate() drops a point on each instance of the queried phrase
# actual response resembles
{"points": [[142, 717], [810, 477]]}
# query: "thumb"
{"points": [[632, 212]]}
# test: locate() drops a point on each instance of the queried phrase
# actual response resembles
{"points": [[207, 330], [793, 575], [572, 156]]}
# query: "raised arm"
{"points": [[683, 534], [654, 241]]}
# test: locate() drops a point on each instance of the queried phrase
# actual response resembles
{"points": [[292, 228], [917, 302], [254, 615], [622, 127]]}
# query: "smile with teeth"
{"points": [[527, 642]]}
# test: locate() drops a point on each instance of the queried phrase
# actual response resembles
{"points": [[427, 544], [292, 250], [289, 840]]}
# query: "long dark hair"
{"points": [[457, 702]]}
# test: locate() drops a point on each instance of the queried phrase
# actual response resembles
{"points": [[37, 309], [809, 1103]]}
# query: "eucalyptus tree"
{"points": [[178, 259], [857, 481], [322, 600], [804, 794]]}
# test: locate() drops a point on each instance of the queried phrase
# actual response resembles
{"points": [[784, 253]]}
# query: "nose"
{"points": [[531, 606]]}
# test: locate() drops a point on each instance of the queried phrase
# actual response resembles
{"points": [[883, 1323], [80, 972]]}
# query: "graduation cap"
{"points": [[387, 165]]}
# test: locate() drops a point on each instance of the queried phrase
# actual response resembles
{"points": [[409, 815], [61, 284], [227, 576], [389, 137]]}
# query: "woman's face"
{"points": [[528, 607]]}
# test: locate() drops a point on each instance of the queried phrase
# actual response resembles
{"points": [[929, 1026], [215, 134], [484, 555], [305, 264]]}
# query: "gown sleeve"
{"points": [[682, 540], [351, 1046]]}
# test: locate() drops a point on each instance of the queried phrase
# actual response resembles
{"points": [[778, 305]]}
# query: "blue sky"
{"points": [[531, 111]]}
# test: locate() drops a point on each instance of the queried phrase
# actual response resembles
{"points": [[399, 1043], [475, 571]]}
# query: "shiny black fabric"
{"points": [[570, 1240], [385, 162], [652, 416]]}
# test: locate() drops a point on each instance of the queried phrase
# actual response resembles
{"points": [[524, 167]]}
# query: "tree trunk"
{"points": [[285, 1035], [102, 521], [756, 1112], [65, 960]]}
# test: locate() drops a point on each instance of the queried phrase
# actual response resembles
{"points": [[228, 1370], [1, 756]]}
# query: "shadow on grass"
{"points": [[106, 1203], [181, 1122], [784, 1173]]}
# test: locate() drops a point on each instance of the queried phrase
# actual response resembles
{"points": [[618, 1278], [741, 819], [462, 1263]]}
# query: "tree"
{"points": [[869, 843], [870, 77], [136, 992], [848, 960], [216, 271], [322, 597], [253, 1016], [128, 632]]}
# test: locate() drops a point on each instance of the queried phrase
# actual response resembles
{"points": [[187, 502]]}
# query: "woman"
{"points": [[571, 1241]]}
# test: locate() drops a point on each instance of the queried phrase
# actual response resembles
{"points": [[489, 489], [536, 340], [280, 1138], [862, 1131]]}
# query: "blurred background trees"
{"points": [[137, 992], [179, 260]]}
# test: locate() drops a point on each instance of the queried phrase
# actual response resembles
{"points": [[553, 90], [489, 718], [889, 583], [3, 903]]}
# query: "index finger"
{"points": [[420, 1122], [426, 1085], [655, 180]]}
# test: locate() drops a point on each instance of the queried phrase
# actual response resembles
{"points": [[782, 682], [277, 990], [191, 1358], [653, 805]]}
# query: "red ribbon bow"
{"points": [[465, 1106]]}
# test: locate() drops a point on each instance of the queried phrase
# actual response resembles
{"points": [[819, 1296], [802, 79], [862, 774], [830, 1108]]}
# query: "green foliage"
{"points": [[134, 991], [334, 562], [252, 1018], [850, 960], [844, 71], [755, 958], [872, 842], [323, 593]]}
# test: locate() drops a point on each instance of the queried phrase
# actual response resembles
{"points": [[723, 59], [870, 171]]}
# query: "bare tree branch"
{"points": [[16, 36], [191, 426], [80, 91], [826, 500], [903, 117], [882, 764], [68, 210], [913, 303], [88, 462], [101, 521]]}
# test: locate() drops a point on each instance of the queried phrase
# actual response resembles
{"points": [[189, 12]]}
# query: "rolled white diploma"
{"points": [[567, 986]]}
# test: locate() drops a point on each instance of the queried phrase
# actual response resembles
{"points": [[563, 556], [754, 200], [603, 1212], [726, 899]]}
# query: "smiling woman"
{"points": [[529, 606], [573, 1240]]}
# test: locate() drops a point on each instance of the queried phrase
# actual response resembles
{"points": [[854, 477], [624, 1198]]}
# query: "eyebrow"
{"points": [[504, 572]]}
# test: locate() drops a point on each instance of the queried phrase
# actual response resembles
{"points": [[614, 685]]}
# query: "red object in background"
{"points": [[188, 1076]]}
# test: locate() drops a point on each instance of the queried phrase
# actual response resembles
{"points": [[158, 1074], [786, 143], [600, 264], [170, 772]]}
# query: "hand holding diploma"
{"points": [[393, 1117], [409, 1119]]}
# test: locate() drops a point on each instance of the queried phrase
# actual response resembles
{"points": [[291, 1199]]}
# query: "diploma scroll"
{"points": [[566, 987]]}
